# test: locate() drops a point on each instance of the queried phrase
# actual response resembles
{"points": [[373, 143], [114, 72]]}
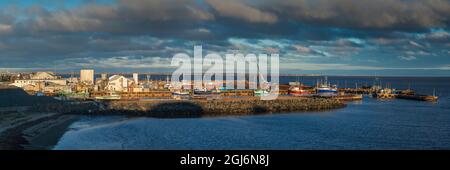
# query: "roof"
{"points": [[43, 75], [116, 77]]}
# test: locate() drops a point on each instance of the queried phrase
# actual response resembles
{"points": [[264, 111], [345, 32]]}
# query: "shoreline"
{"points": [[41, 133]]}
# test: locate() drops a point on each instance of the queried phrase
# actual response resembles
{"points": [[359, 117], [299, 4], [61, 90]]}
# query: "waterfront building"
{"points": [[87, 76], [118, 83]]}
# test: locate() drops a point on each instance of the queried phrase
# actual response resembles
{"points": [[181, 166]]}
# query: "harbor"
{"points": [[33, 111], [369, 123], [101, 90]]}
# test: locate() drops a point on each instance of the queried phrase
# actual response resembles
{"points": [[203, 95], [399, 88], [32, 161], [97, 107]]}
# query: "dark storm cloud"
{"points": [[129, 17], [239, 10], [209, 19], [371, 14], [127, 31]]}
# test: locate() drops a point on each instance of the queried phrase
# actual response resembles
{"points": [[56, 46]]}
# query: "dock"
{"points": [[418, 97]]}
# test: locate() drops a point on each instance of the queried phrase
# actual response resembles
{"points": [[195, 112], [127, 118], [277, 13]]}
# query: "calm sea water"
{"points": [[369, 124]]}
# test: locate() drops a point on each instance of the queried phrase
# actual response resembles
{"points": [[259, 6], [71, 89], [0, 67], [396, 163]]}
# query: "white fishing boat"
{"points": [[111, 96]]}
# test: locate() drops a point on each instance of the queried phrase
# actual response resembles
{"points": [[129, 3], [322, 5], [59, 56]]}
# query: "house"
{"points": [[118, 83]]}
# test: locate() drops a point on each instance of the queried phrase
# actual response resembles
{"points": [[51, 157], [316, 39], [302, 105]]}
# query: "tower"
{"points": [[87, 76], [135, 78]]}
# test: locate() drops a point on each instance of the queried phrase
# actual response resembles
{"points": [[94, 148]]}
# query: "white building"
{"points": [[38, 78], [118, 83], [136, 78], [104, 76], [87, 76]]}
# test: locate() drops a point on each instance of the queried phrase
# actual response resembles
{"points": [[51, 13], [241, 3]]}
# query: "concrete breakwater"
{"points": [[193, 108]]}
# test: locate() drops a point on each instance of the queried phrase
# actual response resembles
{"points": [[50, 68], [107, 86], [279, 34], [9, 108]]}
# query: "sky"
{"points": [[334, 37]]}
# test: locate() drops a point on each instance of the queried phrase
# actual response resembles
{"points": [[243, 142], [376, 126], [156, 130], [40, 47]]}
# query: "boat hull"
{"points": [[327, 92], [108, 98]]}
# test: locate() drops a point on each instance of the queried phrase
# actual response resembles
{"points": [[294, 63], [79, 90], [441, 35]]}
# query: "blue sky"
{"points": [[351, 37]]}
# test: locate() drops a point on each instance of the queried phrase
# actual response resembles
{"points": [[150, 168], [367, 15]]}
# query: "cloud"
{"points": [[407, 58], [416, 44], [4, 28], [308, 50], [239, 10], [349, 33], [384, 14], [302, 49], [309, 19], [116, 62], [127, 16], [326, 66], [162, 10], [272, 50], [438, 35]]}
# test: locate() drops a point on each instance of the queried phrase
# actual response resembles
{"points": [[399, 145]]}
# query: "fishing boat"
{"points": [[349, 97], [180, 95], [109, 97], [206, 94], [326, 89], [260, 93], [204, 91], [385, 93], [299, 91]]}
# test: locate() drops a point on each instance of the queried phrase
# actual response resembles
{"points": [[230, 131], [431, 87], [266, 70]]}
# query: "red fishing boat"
{"points": [[299, 91]]}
